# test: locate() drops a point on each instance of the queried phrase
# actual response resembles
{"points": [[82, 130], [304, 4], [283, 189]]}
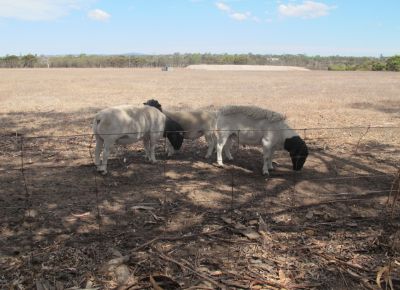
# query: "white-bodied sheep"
{"points": [[194, 123], [128, 124], [257, 126]]}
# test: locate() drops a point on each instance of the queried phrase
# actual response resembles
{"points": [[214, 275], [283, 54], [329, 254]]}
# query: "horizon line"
{"points": [[138, 54]]}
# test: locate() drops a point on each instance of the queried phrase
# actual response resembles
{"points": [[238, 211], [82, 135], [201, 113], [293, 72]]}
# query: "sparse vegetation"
{"points": [[335, 63], [393, 63]]}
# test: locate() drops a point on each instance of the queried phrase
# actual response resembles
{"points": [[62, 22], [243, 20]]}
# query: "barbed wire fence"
{"points": [[22, 139], [166, 188]]}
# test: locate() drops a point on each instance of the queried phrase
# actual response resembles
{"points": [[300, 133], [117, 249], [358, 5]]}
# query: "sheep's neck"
{"points": [[287, 132]]}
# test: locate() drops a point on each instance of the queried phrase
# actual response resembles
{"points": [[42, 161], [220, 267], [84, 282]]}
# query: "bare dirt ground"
{"points": [[228, 67], [184, 222]]}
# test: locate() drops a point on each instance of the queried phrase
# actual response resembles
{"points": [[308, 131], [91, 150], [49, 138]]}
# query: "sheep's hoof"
{"points": [[220, 164], [266, 174], [102, 171], [274, 166], [230, 158]]}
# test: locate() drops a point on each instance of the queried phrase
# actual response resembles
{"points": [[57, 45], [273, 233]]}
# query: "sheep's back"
{"points": [[251, 112], [241, 122], [130, 119], [193, 120]]}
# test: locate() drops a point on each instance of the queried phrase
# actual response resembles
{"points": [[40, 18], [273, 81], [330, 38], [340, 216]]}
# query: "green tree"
{"points": [[240, 59], [29, 60], [393, 63], [378, 66], [11, 61]]}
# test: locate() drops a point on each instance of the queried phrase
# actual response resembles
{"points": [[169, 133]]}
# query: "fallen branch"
{"points": [[344, 263], [346, 267], [168, 238], [261, 280], [362, 279], [190, 269], [154, 284]]}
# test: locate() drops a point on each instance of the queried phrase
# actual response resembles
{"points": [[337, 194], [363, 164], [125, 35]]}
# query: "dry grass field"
{"points": [[185, 223]]}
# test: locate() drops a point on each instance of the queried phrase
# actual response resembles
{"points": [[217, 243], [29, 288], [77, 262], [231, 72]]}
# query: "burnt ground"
{"points": [[186, 223]]}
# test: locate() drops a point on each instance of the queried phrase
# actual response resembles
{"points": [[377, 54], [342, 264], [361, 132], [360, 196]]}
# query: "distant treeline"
{"points": [[337, 63]]}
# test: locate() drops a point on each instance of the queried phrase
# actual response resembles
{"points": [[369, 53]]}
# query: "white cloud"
{"points": [[98, 15], [306, 10], [238, 16], [39, 10], [223, 7]]}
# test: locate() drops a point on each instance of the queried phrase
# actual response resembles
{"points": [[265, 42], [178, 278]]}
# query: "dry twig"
{"points": [[190, 269]]}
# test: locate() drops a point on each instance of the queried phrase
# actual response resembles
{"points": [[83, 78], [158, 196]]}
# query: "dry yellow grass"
{"points": [[35, 97], [309, 98]]}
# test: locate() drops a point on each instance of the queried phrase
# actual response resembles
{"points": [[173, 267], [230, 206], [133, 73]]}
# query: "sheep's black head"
{"points": [[153, 103], [298, 151], [174, 132]]}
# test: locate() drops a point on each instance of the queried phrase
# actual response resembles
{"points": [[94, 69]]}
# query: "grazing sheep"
{"points": [[194, 123], [257, 126], [128, 124]]}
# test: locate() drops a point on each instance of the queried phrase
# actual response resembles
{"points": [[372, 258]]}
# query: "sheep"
{"points": [[127, 124], [257, 126], [194, 123]]}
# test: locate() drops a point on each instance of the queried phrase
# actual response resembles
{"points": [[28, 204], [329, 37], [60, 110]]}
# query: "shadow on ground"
{"points": [[59, 218]]}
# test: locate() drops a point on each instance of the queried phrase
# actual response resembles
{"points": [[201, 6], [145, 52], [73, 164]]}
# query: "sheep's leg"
{"points": [[267, 156], [227, 148], [170, 149], [146, 145], [220, 145], [103, 167], [152, 147], [270, 163], [97, 151], [152, 153], [210, 139]]}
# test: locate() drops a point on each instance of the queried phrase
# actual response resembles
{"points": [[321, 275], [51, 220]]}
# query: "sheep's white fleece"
{"points": [[196, 124], [120, 120], [252, 112], [124, 125], [255, 126]]}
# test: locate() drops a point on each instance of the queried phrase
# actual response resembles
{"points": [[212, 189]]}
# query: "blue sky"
{"points": [[320, 27]]}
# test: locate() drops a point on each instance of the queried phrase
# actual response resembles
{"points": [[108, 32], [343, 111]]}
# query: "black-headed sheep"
{"points": [[257, 126], [194, 123]]}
